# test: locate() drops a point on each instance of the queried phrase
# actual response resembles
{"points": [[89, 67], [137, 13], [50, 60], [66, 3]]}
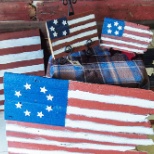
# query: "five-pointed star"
{"points": [[40, 114], [116, 23], [17, 93], [116, 32], [43, 89], [109, 31], [49, 97], [64, 32], [55, 22], [27, 86], [18, 105], [27, 113], [55, 34], [64, 22], [109, 26], [120, 27], [52, 28], [49, 108]]}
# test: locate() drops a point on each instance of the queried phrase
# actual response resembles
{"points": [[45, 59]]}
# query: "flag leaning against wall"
{"points": [[125, 36], [62, 116], [20, 52], [72, 33]]}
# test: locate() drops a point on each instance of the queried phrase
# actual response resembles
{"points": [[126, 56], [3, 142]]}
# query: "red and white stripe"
{"points": [[136, 38], [100, 118], [82, 27], [20, 52]]}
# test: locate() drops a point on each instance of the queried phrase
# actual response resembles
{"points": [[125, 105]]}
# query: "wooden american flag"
{"points": [[125, 36], [60, 116], [20, 52], [73, 31]]}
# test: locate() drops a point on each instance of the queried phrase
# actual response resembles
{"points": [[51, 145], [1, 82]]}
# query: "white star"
{"points": [[55, 34], [116, 32], [109, 31], [55, 21], [17, 93], [64, 22], [116, 23], [27, 86], [64, 33], [120, 27], [43, 89], [18, 105], [109, 26], [49, 108], [40, 114], [27, 113], [52, 28], [49, 97]]}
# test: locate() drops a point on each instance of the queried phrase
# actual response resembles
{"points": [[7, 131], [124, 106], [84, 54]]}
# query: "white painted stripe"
{"points": [[78, 135], [74, 37], [82, 43], [1, 107], [31, 151], [122, 48], [1, 97], [124, 42], [140, 38], [24, 56], [81, 19], [112, 115], [26, 69], [79, 28], [108, 128], [81, 145], [138, 30], [111, 99], [1, 86], [27, 41]]}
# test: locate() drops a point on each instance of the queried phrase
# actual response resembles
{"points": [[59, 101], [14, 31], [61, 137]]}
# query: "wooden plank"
{"points": [[14, 11]]}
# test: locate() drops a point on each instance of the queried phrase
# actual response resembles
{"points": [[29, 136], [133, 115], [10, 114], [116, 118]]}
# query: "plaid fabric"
{"points": [[100, 67]]}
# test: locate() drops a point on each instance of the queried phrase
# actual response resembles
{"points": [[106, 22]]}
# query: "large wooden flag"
{"points": [[70, 34], [20, 52], [125, 36], [60, 116]]}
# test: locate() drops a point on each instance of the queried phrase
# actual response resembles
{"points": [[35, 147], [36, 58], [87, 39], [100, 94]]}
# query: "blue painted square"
{"points": [[58, 28], [113, 27]]}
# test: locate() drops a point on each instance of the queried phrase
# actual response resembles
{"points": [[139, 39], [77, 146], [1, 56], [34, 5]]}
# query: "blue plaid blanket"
{"points": [[100, 67]]}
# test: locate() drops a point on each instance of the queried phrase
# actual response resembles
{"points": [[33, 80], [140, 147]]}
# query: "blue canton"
{"points": [[113, 27], [58, 27], [35, 99]]}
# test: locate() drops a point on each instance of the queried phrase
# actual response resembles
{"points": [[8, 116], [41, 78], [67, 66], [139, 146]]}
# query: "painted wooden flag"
{"points": [[125, 36], [45, 115], [70, 34], [20, 52]]}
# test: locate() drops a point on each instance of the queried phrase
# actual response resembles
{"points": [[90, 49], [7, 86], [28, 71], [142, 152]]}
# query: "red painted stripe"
{"points": [[135, 25], [107, 121], [58, 139], [106, 107], [1, 92], [56, 128], [22, 49], [124, 39], [138, 34], [22, 64], [124, 45], [112, 90], [38, 147], [19, 34]]}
